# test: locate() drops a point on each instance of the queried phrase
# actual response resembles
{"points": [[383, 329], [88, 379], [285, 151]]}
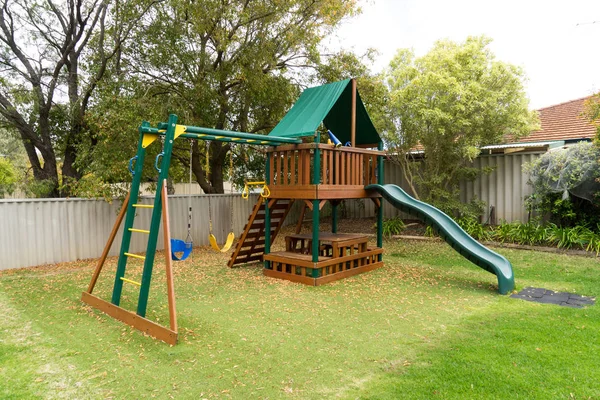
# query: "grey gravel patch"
{"points": [[540, 295]]}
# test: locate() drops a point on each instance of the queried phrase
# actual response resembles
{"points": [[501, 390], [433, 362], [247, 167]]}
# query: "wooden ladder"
{"points": [[251, 245]]}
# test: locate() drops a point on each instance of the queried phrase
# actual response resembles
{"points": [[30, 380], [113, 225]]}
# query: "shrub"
{"points": [[475, 229], [393, 226]]}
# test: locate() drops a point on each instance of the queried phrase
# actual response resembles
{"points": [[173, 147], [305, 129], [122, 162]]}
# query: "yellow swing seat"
{"points": [[228, 243]]}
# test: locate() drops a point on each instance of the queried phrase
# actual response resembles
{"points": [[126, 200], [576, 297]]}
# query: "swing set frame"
{"points": [[170, 131]]}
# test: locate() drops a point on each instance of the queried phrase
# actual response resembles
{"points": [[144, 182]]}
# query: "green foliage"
{"points": [[450, 102], [91, 186], [224, 65], [592, 112], [565, 185], [39, 188], [8, 177], [532, 233], [430, 232], [475, 229], [393, 226]]}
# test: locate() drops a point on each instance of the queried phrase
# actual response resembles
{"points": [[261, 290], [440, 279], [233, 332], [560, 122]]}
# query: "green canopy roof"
{"points": [[330, 104]]}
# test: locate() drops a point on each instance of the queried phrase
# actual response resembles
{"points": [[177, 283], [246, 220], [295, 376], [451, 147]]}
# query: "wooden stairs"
{"points": [[251, 246]]}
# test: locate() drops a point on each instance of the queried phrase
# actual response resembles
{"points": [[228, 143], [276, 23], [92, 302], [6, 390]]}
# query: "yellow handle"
{"points": [[245, 192], [265, 192]]}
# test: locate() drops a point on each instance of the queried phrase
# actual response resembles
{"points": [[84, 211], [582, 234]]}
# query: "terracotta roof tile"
{"points": [[563, 122]]}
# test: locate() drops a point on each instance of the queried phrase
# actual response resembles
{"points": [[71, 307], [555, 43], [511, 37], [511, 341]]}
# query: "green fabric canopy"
{"points": [[330, 104]]}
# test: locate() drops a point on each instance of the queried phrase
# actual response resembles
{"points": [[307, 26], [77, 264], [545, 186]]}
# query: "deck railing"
{"points": [[294, 165]]}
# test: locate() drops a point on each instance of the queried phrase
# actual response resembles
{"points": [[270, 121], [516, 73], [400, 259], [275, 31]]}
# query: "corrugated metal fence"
{"points": [[505, 188], [42, 231], [45, 231]]}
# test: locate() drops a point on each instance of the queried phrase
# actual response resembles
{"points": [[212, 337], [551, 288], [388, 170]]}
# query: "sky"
{"points": [[557, 43]]}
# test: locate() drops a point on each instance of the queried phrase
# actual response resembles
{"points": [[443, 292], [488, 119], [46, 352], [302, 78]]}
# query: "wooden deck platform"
{"points": [[341, 256]]}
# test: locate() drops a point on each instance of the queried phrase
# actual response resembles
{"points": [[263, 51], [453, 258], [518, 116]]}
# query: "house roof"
{"points": [[563, 121], [330, 104]]}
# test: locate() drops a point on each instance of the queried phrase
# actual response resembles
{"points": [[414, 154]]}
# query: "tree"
{"points": [[225, 65], [8, 177], [53, 55], [448, 103], [592, 112]]}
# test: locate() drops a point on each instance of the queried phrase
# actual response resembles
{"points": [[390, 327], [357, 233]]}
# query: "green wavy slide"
{"points": [[453, 234]]}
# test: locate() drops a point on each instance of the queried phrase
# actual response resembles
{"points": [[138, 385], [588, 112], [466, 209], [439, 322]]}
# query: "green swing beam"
{"points": [[195, 132]]}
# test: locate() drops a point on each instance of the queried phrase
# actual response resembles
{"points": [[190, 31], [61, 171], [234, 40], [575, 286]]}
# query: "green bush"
{"points": [[475, 229], [393, 226]]}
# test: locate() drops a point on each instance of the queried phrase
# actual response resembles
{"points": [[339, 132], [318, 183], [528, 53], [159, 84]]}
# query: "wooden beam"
{"points": [[321, 204], [131, 319], [109, 243], [376, 201], [168, 261], [271, 202], [309, 204], [353, 114]]}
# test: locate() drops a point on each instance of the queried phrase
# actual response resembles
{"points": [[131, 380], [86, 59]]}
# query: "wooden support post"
{"points": [[269, 173], [301, 218], [168, 261], [353, 114], [380, 210], [334, 215], [109, 243]]}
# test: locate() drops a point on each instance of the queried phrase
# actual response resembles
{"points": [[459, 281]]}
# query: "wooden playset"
{"points": [[299, 168]]}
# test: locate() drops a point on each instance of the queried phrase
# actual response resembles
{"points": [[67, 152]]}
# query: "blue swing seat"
{"points": [[179, 246]]}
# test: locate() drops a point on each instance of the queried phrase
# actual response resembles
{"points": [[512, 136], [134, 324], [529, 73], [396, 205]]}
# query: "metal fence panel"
{"points": [[42, 231], [46, 231]]}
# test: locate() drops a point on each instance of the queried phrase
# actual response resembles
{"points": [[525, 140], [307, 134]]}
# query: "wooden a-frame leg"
{"points": [[168, 261], [109, 243]]}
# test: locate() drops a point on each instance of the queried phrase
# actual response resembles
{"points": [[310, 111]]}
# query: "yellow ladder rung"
{"points": [[143, 205], [130, 281], [135, 256], [139, 230]]}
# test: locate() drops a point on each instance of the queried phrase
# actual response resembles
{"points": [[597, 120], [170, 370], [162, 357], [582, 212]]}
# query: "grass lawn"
{"points": [[427, 325]]}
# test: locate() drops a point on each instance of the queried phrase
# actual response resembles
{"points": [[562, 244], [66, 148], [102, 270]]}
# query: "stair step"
{"points": [[251, 247], [257, 250], [246, 260]]}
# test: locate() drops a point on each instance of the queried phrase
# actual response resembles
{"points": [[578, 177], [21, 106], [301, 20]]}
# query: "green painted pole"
{"points": [[267, 264], [156, 217], [380, 210], [315, 222], [129, 217], [218, 134]]}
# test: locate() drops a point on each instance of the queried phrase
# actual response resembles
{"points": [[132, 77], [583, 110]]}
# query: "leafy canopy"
{"points": [[218, 64], [448, 104]]}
